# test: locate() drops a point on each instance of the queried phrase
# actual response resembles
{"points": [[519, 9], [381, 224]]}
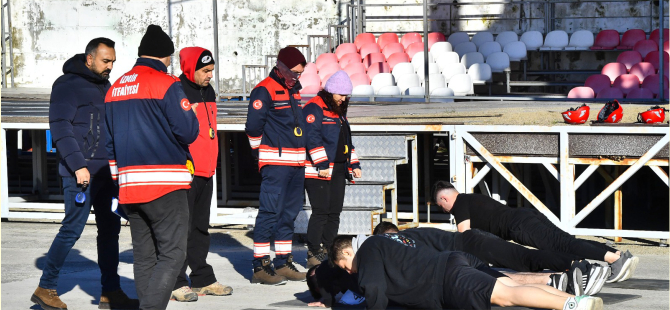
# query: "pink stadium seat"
{"points": [[392, 48], [645, 46], [347, 58], [345, 48], [630, 37], [652, 58], [328, 69], [363, 39], [642, 70], [354, 67], [309, 79], [651, 83], [359, 79], [613, 70], [606, 40], [386, 39], [414, 48], [325, 79], [396, 59], [410, 38], [666, 46], [324, 59], [369, 48], [612, 92], [372, 58], [310, 90], [654, 36], [629, 58], [377, 68], [435, 37], [581, 92], [598, 82], [310, 68], [640, 93], [626, 83]]}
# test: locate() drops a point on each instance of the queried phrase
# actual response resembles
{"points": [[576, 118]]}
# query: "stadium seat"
{"points": [[440, 47], [651, 83], [442, 92], [652, 58], [472, 58], [369, 48], [310, 90], [482, 37], [389, 91], [598, 82], [606, 40], [392, 48], [507, 37], [364, 38], [418, 60], [580, 40], [372, 58], [310, 68], [436, 81], [378, 67], [626, 83], [325, 79], [461, 84], [362, 93], [413, 49], [581, 92], [533, 40], [666, 46], [409, 38], [464, 48], [386, 39], [640, 93], [613, 70], [555, 41], [630, 37], [435, 37], [488, 48], [309, 79], [345, 48], [645, 46], [480, 73], [382, 80], [446, 58], [414, 91], [457, 38], [325, 58], [654, 35], [354, 67], [610, 93], [397, 58], [452, 69], [516, 50], [642, 70], [347, 58], [402, 69], [498, 61], [629, 58], [328, 69], [359, 79], [432, 69]]}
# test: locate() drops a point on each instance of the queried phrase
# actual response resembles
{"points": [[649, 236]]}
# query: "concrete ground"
{"points": [[24, 246]]}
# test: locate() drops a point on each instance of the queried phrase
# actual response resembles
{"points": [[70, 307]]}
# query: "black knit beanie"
{"points": [[205, 59], [155, 43]]}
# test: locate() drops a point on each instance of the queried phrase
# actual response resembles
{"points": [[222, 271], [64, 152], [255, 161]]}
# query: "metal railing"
{"points": [[7, 51], [256, 73]]}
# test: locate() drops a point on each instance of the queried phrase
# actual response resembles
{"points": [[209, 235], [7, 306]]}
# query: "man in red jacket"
{"points": [[197, 65]]}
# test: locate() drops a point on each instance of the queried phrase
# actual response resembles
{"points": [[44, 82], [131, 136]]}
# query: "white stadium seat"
{"points": [[532, 39], [414, 91], [461, 84], [464, 48], [389, 91], [382, 80], [516, 50], [480, 73], [472, 58], [506, 37], [402, 68], [489, 48], [580, 40], [362, 93], [446, 58], [406, 81], [418, 60], [457, 38], [432, 69], [555, 41], [440, 47], [442, 92], [436, 81], [482, 37], [498, 61], [452, 69]]}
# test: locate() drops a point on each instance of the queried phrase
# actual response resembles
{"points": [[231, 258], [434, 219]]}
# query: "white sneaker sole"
{"points": [[623, 270], [600, 282], [631, 269], [593, 303]]}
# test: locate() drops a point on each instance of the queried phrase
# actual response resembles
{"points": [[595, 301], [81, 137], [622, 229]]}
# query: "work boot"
{"points": [[48, 299], [289, 271], [184, 293], [315, 258], [265, 274], [117, 300], [216, 289]]}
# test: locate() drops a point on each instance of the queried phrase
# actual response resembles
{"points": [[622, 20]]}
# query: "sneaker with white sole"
{"points": [[595, 279], [559, 281], [575, 280], [634, 260], [620, 266], [184, 294], [583, 303]]}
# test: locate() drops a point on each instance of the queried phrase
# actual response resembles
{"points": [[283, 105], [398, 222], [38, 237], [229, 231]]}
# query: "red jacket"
{"points": [[205, 150]]}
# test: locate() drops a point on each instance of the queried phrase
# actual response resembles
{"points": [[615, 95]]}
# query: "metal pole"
{"points": [[215, 18], [661, 65], [425, 52], [4, 49], [169, 9]]}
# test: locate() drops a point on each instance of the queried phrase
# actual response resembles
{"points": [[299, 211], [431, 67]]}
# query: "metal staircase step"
{"points": [[380, 145], [377, 170], [366, 195]]}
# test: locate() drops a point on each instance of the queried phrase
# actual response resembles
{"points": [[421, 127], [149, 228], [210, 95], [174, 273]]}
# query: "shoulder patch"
{"points": [[310, 118], [404, 240], [258, 104], [185, 104]]}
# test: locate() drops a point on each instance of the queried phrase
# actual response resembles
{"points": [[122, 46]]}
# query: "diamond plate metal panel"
{"points": [[378, 170], [351, 222], [380, 146], [360, 196]]}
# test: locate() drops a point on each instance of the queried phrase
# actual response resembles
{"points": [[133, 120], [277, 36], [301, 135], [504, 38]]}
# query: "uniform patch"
{"points": [[185, 104], [404, 240], [310, 118], [258, 104]]}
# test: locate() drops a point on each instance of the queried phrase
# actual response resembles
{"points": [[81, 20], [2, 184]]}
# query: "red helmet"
{"points": [[652, 116], [577, 115], [610, 113]]}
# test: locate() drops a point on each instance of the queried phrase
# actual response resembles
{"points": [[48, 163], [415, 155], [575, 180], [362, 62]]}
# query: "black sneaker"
{"points": [[620, 266], [559, 281], [596, 279], [575, 281]]}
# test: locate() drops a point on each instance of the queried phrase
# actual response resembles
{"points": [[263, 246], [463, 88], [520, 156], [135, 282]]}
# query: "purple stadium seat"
{"points": [[386, 39], [348, 58], [606, 40], [414, 48], [364, 38], [640, 93], [629, 59], [434, 37], [377, 68], [392, 48], [581, 92], [345, 48], [410, 38], [613, 70], [611, 92], [369, 48], [645, 46], [652, 58], [309, 79], [396, 59], [654, 36], [354, 67], [372, 58], [626, 83], [651, 83], [597, 82], [642, 70], [324, 59], [359, 79], [630, 37]]}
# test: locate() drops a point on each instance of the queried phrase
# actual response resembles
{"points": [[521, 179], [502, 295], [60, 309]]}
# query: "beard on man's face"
{"points": [[103, 74]]}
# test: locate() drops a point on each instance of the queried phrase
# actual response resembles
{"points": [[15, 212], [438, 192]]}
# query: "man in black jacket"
{"points": [[76, 120]]}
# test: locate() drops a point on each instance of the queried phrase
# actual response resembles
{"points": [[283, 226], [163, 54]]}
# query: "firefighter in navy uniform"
{"points": [[275, 130]]}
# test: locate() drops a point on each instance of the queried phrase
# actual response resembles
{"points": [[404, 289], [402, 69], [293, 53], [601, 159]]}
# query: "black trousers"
{"points": [[501, 253], [326, 198], [159, 230], [199, 202], [530, 227]]}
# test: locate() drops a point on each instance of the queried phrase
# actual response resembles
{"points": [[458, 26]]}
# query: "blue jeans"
{"points": [[99, 194]]}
